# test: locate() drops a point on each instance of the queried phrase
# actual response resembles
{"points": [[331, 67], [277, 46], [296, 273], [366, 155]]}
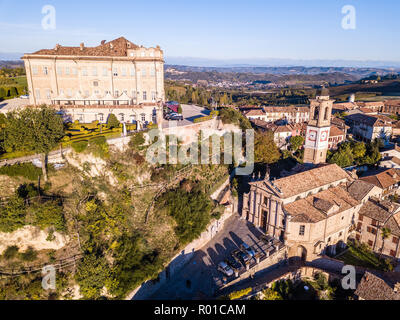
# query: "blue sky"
{"points": [[219, 29]]}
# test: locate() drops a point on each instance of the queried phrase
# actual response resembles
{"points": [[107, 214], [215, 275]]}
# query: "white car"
{"points": [[225, 269], [24, 97]]}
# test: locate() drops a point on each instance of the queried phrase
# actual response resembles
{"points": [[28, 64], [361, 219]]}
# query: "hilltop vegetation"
{"points": [[102, 200]]}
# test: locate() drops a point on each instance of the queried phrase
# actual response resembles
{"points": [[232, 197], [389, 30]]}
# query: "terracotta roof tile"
{"points": [[359, 189], [373, 287], [309, 180], [384, 179], [317, 207], [114, 48]]}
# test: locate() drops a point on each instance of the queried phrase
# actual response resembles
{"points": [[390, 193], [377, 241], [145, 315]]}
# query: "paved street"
{"points": [[202, 271], [190, 113], [12, 104]]}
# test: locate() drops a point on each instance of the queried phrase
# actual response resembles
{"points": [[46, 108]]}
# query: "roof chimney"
{"points": [[82, 46], [103, 42], [57, 47]]}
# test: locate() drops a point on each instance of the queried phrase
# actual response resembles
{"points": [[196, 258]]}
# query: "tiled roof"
{"points": [[367, 110], [375, 210], [395, 103], [345, 106], [393, 225], [291, 109], [384, 179], [395, 160], [309, 180], [371, 121], [315, 208], [373, 287], [335, 131], [359, 189], [254, 112], [114, 48]]}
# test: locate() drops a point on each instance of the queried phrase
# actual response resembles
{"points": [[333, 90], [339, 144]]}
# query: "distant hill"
{"points": [[11, 63], [232, 63], [291, 76]]}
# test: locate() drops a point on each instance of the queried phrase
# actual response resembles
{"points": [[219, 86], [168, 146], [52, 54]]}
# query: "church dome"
{"points": [[323, 92]]}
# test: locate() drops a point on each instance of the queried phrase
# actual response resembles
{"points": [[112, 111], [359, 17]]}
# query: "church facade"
{"points": [[312, 212]]}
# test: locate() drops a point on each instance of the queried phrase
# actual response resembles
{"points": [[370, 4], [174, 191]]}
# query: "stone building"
{"points": [[312, 211], [291, 114], [375, 216], [336, 137], [87, 82]]}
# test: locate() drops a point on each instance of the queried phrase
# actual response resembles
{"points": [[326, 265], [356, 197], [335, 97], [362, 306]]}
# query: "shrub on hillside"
{"points": [[137, 140], [29, 255], [12, 215], [191, 211], [26, 170], [79, 146], [11, 252], [49, 214]]}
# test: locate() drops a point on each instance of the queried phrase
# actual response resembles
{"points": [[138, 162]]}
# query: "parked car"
{"points": [[248, 250], [241, 257], [24, 96], [176, 117], [230, 261], [225, 269]]}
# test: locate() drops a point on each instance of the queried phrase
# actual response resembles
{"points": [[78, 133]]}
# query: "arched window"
{"points": [[316, 113], [326, 113]]}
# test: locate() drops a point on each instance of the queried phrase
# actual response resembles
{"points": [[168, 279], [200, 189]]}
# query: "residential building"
{"points": [[282, 133], [336, 137], [375, 216], [368, 128], [291, 114], [374, 287], [388, 181], [390, 163]]}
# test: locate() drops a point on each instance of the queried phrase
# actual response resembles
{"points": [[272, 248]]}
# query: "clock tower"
{"points": [[319, 127]]}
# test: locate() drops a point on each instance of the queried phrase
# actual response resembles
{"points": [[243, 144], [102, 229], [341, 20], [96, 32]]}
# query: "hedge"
{"points": [[239, 294], [202, 119]]}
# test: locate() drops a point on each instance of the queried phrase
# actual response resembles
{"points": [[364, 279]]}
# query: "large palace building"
{"points": [[89, 83]]}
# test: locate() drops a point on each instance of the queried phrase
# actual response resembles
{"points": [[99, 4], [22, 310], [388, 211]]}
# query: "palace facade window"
{"points": [[302, 230]]}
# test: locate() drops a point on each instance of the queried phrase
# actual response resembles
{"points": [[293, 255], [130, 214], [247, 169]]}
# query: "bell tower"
{"points": [[319, 127]]}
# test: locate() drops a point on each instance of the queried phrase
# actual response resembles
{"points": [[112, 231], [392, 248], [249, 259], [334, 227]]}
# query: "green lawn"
{"points": [[363, 257]]}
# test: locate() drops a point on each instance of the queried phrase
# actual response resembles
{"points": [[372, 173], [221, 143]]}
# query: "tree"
{"points": [[270, 294], [385, 233], [265, 149], [112, 121], [3, 93], [180, 111], [296, 143], [359, 150], [39, 130], [137, 141]]}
